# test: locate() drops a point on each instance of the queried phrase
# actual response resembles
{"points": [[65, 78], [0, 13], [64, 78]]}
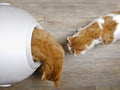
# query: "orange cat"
{"points": [[104, 30], [51, 54]]}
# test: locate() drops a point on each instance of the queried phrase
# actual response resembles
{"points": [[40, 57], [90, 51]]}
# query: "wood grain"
{"points": [[98, 69]]}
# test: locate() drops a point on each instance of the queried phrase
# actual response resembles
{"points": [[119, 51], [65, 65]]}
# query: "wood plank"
{"points": [[98, 69]]}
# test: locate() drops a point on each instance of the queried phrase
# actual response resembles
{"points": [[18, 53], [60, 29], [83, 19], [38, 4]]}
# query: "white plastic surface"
{"points": [[16, 27]]}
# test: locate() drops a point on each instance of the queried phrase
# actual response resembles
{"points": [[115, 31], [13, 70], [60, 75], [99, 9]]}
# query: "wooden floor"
{"points": [[98, 69]]}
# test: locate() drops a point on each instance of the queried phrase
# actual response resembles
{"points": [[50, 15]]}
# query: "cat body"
{"points": [[46, 50], [105, 29]]}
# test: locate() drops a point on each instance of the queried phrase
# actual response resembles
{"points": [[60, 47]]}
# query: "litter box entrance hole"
{"points": [[31, 61], [32, 38]]}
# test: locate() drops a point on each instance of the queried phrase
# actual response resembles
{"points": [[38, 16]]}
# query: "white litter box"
{"points": [[16, 27]]}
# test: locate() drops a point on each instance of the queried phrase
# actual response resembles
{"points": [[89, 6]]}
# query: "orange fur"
{"points": [[116, 12], [46, 50], [108, 30], [85, 37]]}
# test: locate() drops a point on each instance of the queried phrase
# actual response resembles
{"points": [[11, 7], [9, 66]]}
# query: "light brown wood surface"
{"points": [[99, 68]]}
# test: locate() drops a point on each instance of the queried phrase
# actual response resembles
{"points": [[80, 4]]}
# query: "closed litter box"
{"points": [[16, 27]]}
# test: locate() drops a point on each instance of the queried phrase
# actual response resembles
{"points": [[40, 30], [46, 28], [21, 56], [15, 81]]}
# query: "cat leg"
{"points": [[57, 82]]}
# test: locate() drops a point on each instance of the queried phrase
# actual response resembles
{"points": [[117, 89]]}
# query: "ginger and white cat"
{"points": [[105, 29], [46, 50]]}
